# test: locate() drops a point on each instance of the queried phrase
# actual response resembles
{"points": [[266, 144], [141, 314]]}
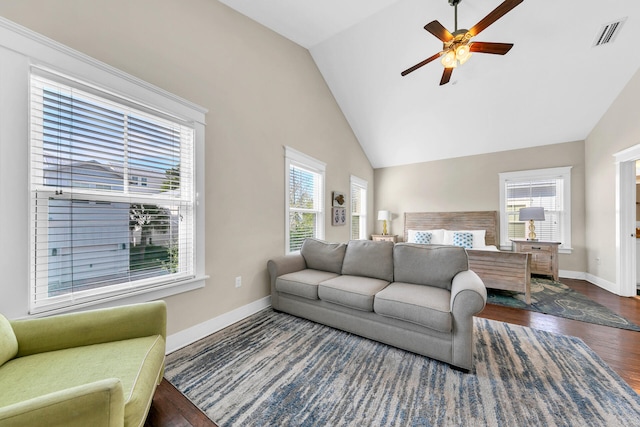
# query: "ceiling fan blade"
{"points": [[493, 16], [438, 30], [446, 76], [420, 64], [494, 48]]}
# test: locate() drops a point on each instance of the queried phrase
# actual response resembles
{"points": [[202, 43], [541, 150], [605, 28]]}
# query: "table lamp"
{"points": [[384, 216], [531, 214]]}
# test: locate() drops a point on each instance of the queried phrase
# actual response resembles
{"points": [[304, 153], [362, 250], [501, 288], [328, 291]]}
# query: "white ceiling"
{"points": [[552, 87]]}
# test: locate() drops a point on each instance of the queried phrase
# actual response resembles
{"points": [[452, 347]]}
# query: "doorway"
{"points": [[626, 251]]}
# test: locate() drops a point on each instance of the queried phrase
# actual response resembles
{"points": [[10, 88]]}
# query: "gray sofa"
{"points": [[420, 298]]}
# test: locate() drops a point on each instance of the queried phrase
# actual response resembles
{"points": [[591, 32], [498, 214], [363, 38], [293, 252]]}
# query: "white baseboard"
{"points": [[581, 275], [604, 284], [190, 335]]}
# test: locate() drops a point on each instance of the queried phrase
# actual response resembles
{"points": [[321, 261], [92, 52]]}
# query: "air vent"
{"points": [[607, 34]]}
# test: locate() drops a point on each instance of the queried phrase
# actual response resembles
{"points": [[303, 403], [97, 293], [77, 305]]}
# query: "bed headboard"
{"points": [[478, 220]]}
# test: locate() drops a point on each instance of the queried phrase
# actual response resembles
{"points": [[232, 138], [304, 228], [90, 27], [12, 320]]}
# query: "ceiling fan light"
{"points": [[462, 53], [449, 59]]}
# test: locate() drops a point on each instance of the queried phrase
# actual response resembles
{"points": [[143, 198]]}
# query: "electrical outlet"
{"points": [[238, 281]]}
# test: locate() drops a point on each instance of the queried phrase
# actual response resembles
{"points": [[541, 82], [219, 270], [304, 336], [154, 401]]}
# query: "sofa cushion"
{"points": [[428, 265], [321, 255], [136, 362], [303, 283], [351, 291], [424, 305], [8, 341], [370, 259]]}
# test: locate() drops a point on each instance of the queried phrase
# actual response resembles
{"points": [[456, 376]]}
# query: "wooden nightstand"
{"points": [[384, 238], [544, 256]]}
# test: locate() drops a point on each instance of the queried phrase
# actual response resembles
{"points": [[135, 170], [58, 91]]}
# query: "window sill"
{"points": [[139, 296]]}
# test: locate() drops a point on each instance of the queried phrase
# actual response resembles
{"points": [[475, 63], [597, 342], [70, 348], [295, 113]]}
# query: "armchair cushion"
{"points": [[8, 341]]}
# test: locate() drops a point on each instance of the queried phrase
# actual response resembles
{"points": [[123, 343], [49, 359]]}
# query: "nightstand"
{"points": [[544, 256], [384, 238]]}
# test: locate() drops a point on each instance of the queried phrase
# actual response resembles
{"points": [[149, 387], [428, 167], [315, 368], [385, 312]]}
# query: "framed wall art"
{"points": [[338, 216]]}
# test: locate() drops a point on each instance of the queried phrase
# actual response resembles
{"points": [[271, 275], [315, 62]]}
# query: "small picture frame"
{"points": [[338, 199], [338, 216]]}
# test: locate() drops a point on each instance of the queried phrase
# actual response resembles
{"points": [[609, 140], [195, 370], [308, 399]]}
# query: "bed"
{"points": [[510, 271]]}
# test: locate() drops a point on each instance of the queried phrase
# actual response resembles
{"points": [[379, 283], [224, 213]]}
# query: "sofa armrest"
{"points": [[90, 327], [100, 403], [468, 294], [283, 265]]}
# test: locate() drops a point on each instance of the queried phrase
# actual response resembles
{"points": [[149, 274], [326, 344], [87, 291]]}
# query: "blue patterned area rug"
{"points": [[273, 369], [557, 299]]}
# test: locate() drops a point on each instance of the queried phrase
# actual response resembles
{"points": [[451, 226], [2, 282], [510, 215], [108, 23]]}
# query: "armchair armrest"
{"points": [[90, 327], [468, 294], [100, 403], [283, 265]]}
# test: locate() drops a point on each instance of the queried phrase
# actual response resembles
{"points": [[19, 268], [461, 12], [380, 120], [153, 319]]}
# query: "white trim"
{"points": [[604, 284], [363, 185], [190, 335], [625, 221], [568, 274], [303, 161]]}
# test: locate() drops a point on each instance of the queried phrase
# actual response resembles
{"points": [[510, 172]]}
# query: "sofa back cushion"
{"points": [[428, 265], [8, 341], [369, 259], [324, 256]]}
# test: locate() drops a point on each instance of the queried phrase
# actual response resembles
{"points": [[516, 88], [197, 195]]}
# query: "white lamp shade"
{"points": [[535, 214], [384, 215]]}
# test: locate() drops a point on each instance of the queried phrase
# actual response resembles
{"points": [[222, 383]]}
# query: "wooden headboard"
{"points": [[478, 220]]}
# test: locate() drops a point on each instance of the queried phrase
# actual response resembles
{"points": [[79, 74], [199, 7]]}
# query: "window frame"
{"points": [[303, 161], [563, 173], [362, 186], [21, 49]]}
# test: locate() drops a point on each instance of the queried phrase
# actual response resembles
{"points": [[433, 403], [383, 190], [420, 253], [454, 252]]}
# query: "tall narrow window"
{"points": [[112, 194], [305, 205], [358, 208], [546, 188]]}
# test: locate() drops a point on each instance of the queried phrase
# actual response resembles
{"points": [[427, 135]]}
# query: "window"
{"points": [[358, 208], [112, 194], [547, 188], [304, 195]]}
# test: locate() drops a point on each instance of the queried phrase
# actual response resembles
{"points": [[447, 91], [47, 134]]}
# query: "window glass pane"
{"points": [[535, 193], [301, 226]]}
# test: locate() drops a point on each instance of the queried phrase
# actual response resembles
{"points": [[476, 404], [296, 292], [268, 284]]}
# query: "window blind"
{"points": [[545, 193], [358, 208], [112, 194], [305, 201]]}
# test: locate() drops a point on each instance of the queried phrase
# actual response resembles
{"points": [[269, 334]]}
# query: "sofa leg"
{"points": [[459, 369]]}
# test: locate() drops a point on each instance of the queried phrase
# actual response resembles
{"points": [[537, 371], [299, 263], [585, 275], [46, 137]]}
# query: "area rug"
{"points": [[557, 299], [273, 369]]}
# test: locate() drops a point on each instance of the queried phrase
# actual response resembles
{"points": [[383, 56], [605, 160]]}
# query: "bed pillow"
{"points": [[478, 237], [463, 239], [423, 237], [437, 236]]}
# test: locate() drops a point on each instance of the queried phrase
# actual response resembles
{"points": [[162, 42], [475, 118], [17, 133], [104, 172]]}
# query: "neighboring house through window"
{"points": [[304, 199], [546, 188], [358, 208]]}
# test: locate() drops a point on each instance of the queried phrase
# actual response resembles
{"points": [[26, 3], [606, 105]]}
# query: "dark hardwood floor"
{"points": [[619, 348]]}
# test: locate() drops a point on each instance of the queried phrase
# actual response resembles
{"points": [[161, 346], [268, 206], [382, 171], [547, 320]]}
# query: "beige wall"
{"points": [[262, 92], [617, 130], [471, 183]]}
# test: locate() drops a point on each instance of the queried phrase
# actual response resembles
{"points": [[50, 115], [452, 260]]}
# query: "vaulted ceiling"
{"points": [[552, 87]]}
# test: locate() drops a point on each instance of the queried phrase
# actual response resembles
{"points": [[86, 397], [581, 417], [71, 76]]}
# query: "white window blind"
{"points": [[358, 208], [546, 188], [112, 194], [305, 207]]}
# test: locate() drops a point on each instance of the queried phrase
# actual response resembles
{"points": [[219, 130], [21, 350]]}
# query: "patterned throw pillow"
{"points": [[463, 239], [423, 237]]}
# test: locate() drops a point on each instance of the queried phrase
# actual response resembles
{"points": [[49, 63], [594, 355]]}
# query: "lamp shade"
{"points": [[384, 215], [528, 214]]}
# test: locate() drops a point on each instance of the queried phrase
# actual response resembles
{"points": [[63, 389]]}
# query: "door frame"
{"points": [[626, 220]]}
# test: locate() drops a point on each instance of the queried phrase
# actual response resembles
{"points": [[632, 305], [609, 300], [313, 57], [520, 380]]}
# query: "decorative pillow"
{"points": [[423, 237], [478, 237], [463, 239], [8, 341], [437, 236]]}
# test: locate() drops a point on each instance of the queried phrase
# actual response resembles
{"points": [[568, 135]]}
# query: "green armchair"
{"points": [[94, 368]]}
